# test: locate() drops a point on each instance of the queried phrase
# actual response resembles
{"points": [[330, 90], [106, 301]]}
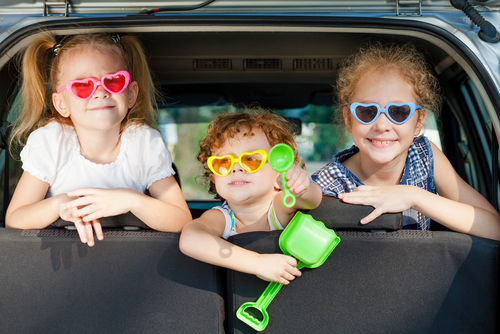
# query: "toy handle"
{"points": [[261, 304], [286, 193]]}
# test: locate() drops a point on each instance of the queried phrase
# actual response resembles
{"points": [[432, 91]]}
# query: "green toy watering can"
{"points": [[281, 159], [310, 242]]}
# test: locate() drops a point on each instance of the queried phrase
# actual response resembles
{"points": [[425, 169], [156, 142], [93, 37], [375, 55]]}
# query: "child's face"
{"points": [[383, 141], [103, 111], [240, 186]]}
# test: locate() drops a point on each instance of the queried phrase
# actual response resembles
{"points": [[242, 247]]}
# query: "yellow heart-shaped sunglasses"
{"points": [[249, 161]]}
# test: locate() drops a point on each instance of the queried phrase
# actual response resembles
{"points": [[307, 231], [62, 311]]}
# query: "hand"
{"points": [[86, 233], [297, 180], [85, 229], [384, 199], [95, 203], [277, 268]]}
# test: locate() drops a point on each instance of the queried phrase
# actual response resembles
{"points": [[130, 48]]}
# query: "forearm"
{"points": [[33, 216], [198, 243], [458, 216], [159, 215]]}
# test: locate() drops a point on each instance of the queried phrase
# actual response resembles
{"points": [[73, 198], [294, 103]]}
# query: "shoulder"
{"points": [[51, 133], [52, 139], [334, 178], [137, 137], [49, 149], [422, 149], [214, 219]]}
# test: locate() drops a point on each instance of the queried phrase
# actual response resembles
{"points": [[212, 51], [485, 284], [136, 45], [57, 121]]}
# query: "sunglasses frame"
{"points": [[237, 160], [97, 83], [352, 107]]}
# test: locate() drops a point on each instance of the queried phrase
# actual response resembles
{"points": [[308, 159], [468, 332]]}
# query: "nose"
{"points": [[237, 168], [382, 123], [100, 91]]}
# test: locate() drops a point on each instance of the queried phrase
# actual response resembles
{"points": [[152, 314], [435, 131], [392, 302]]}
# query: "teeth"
{"points": [[241, 182], [385, 142]]}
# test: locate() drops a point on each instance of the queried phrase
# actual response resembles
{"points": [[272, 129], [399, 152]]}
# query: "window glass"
{"points": [[183, 129]]}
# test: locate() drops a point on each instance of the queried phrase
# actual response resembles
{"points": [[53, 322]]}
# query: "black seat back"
{"points": [[389, 282], [131, 282]]}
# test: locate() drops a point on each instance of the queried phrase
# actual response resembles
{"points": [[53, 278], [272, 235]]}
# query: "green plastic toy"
{"points": [[281, 159], [310, 242]]}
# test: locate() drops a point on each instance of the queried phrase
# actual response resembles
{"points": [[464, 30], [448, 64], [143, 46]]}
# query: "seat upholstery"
{"points": [[389, 282], [131, 282]]}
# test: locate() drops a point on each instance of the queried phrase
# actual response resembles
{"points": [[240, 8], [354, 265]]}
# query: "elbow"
{"points": [[9, 222], [186, 244]]}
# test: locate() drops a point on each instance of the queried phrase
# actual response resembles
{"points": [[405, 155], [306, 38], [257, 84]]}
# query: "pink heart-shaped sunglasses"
{"points": [[83, 89]]}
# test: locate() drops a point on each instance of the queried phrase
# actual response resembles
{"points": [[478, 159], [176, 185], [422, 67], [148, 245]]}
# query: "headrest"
{"points": [[127, 219], [336, 214]]}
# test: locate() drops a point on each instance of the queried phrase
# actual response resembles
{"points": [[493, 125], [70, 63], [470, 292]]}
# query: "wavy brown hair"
{"points": [[405, 58], [41, 73], [227, 124]]}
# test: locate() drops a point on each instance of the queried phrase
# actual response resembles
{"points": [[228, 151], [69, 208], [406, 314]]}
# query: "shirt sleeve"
{"points": [[42, 153], [157, 157]]}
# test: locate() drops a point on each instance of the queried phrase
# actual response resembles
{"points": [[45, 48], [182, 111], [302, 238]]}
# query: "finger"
{"points": [[363, 199], [82, 192], [289, 277], [90, 234], [81, 231], [84, 212], [301, 186], [93, 216], [80, 201], [294, 175], [371, 217], [98, 229], [294, 271], [283, 281], [297, 180], [291, 261]]}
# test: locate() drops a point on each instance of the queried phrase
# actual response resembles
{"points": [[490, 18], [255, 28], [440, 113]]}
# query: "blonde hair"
{"points": [[405, 59], [41, 72], [228, 124]]}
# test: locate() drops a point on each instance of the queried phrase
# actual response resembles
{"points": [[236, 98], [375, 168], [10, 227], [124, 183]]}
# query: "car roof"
{"points": [[30, 7]]}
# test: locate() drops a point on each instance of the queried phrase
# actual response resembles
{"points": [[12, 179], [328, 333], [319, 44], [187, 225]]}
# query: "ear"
{"points": [[420, 122], [347, 118], [60, 104], [212, 177], [133, 92]]}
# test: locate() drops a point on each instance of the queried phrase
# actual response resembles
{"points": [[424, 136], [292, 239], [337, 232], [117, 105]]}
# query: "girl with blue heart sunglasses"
{"points": [[392, 167]]}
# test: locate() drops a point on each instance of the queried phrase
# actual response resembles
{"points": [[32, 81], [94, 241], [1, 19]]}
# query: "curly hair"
{"points": [[405, 59], [228, 124]]}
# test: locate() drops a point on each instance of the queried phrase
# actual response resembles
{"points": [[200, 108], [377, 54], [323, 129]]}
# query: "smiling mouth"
{"points": [[381, 142], [238, 183]]}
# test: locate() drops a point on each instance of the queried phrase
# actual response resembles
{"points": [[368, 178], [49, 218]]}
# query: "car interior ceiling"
{"points": [[275, 70]]}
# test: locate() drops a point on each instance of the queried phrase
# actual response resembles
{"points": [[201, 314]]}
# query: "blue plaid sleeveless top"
{"points": [[335, 178]]}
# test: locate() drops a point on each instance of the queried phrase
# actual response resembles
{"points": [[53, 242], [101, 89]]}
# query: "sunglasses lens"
{"points": [[366, 114], [399, 113], [252, 162], [114, 83], [221, 165], [83, 89]]}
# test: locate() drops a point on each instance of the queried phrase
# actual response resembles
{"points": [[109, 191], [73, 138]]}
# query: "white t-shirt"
{"points": [[52, 154]]}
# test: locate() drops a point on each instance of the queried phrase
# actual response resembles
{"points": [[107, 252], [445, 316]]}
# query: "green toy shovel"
{"points": [[281, 159], [310, 242]]}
